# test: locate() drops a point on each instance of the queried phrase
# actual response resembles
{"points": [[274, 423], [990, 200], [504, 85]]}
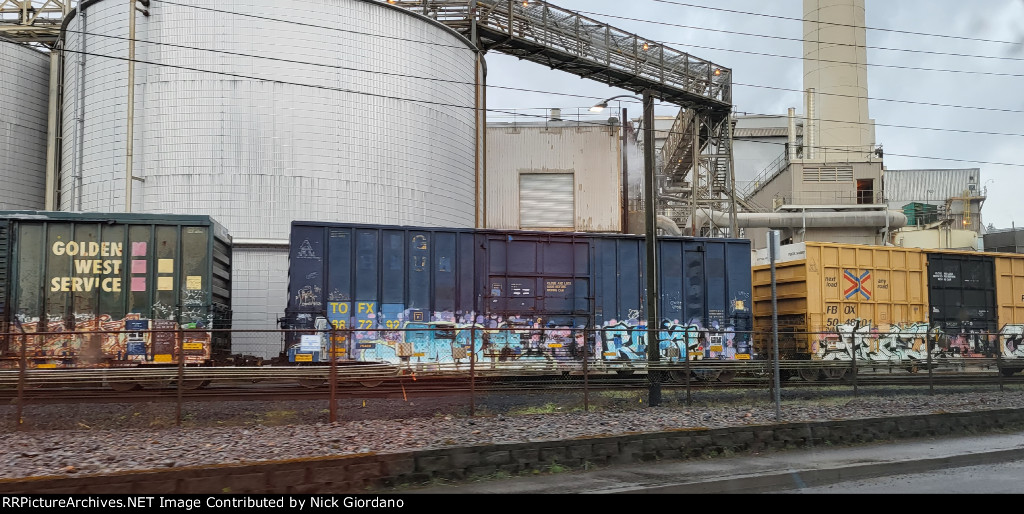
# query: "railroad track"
{"points": [[439, 386]]}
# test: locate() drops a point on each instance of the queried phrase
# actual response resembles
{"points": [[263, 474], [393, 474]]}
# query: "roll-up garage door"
{"points": [[546, 201]]}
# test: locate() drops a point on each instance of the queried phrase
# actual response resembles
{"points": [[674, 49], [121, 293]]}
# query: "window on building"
{"points": [[546, 201], [865, 191]]}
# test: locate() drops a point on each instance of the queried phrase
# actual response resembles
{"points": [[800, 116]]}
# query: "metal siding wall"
{"points": [[5, 274], [590, 153], [256, 153], [259, 296], [24, 85]]}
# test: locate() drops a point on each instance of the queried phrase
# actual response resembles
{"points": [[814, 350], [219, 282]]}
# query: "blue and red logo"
{"points": [[857, 284]]}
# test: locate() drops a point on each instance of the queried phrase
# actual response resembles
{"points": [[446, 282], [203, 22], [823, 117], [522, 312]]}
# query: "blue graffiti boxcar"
{"points": [[408, 294], [92, 286]]}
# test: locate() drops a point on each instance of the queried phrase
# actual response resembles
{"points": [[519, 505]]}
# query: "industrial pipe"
{"points": [[665, 223], [894, 219]]}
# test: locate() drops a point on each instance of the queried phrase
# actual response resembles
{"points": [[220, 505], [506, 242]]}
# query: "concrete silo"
{"points": [[24, 83], [262, 112]]}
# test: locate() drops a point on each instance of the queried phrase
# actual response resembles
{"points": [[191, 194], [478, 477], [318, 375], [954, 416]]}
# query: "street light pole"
{"points": [[650, 207]]}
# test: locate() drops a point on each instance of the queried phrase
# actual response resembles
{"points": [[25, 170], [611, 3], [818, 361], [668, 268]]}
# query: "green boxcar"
{"points": [[88, 289]]}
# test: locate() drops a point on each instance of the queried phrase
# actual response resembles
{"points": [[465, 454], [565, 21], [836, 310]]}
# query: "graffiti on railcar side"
{"points": [[394, 334], [1011, 342], [89, 340]]}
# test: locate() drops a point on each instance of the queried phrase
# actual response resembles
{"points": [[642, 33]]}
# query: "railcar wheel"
{"points": [[677, 375], [370, 383], [727, 376], [1008, 372], [191, 385], [707, 375], [312, 383], [831, 373], [811, 374], [122, 386]]}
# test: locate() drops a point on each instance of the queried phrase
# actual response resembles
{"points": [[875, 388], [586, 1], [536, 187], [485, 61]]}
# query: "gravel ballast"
{"points": [[84, 439]]}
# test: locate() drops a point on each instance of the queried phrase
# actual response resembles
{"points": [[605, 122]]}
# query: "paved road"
{"points": [[775, 472]]}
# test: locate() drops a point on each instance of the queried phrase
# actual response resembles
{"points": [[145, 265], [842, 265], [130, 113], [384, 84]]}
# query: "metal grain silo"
{"points": [[24, 82], [262, 112]]}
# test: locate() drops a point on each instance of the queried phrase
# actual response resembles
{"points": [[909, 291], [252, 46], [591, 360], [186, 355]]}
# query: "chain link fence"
{"points": [[202, 377]]}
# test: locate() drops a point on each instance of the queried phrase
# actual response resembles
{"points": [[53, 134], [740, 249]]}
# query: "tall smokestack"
{"points": [[835, 66]]}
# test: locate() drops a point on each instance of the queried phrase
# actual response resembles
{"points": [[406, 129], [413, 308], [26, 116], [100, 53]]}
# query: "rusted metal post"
{"points": [[999, 361], [928, 343], [686, 363], [333, 409], [22, 376], [586, 392], [181, 373], [472, 370]]}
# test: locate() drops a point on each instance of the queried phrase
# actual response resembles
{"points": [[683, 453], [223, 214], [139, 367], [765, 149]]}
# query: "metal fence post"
{"points": [[586, 392], [999, 362], [686, 363], [928, 343], [23, 369], [333, 409], [472, 370], [181, 373]]}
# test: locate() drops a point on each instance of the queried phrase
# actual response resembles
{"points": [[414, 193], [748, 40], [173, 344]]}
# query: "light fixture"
{"points": [[604, 104], [526, 3], [646, 46], [718, 72]]}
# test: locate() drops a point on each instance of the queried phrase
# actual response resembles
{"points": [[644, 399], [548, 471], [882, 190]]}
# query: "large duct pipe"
{"points": [[665, 223], [891, 219]]}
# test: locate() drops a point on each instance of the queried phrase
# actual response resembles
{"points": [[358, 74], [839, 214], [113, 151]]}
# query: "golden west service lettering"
{"points": [[90, 273]]}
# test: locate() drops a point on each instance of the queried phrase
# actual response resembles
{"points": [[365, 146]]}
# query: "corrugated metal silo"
{"points": [[24, 83], [268, 111]]}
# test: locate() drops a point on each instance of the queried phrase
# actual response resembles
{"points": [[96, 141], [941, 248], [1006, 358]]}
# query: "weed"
{"points": [[278, 417], [555, 467]]}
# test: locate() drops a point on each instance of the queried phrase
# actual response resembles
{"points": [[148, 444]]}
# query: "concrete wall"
{"points": [[378, 472]]}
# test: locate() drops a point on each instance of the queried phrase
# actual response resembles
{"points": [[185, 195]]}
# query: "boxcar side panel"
{"points": [[1010, 289], [97, 283]]}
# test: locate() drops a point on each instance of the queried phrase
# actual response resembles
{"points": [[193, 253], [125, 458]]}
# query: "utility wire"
{"points": [[894, 66], [763, 15], [332, 66], [443, 104], [929, 104]]}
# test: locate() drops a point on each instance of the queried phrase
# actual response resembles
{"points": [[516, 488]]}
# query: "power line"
{"points": [[895, 66], [929, 104], [332, 66], [838, 24], [301, 24], [750, 34], [430, 102]]}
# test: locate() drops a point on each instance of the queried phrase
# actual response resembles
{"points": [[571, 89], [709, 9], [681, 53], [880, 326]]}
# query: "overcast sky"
{"points": [[991, 86]]}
